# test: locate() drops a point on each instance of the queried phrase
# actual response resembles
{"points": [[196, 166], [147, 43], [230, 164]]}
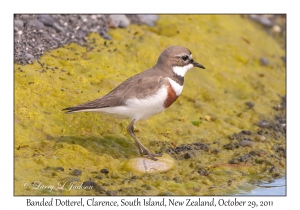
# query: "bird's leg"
{"points": [[143, 150]]}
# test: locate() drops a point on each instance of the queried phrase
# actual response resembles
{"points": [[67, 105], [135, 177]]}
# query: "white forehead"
{"points": [[183, 54]]}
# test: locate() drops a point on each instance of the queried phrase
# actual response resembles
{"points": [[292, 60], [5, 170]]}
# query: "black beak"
{"points": [[197, 65]]}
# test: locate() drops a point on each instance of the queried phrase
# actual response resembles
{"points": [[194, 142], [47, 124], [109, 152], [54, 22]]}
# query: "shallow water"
{"points": [[278, 187]]}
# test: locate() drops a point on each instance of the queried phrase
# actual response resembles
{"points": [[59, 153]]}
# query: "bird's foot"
{"points": [[151, 155]]}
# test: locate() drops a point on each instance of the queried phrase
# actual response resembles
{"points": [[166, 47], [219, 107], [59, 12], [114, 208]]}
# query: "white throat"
{"points": [[181, 70]]}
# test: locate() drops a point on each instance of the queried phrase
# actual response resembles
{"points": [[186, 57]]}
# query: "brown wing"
{"points": [[139, 86]]}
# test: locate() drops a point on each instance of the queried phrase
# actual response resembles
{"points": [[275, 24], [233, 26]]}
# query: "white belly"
{"points": [[138, 109]]}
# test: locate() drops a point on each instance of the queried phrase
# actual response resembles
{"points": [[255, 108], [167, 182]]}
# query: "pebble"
{"points": [[250, 104], [79, 34], [46, 20], [104, 171], [19, 24], [57, 27], [148, 19], [105, 35], [187, 155], [264, 124], [35, 24], [246, 132], [262, 20], [111, 193], [264, 61], [245, 143], [89, 184], [272, 169], [146, 165], [166, 193], [76, 172], [203, 172], [260, 138], [99, 189], [59, 168], [230, 146], [29, 56], [276, 29], [119, 21], [70, 179]]}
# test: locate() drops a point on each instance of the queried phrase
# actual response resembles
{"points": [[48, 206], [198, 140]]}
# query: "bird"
{"points": [[145, 94]]}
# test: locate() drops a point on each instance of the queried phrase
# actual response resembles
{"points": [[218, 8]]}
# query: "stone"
{"points": [[119, 21], [76, 172], [264, 61], [104, 171], [46, 19], [36, 24], [245, 143], [19, 24], [148, 19], [146, 165]]}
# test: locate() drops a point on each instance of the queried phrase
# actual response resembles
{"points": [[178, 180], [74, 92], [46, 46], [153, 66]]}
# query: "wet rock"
{"points": [[215, 151], [58, 28], [203, 172], [111, 193], [242, 159], [262, 20], [19, 24], [59, 168], [258, 153], [104, 171], [263, 124], [234, 161], [147, 187], [119, 21], [148, 19], [76, 172], [89, 184], [280, 149], [246, 132], [146, 165], [178, 179], [245, 158], [250, 104], [100, 189], [166, 193], [79, 34], [98, 177], [29, 56], [272, 169], [70, 179], [259, 138], [264, 61], [247, 142], [105, 35], [188, 147], [47, 20], [35, 24], [276, 29], [188, 155], [231, 146]]}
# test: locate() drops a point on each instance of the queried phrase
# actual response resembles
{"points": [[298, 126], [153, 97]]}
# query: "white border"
{"points": [[212, 6]]}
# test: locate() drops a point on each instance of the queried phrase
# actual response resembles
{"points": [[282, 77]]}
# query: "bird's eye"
{"points": [[185, 57]]}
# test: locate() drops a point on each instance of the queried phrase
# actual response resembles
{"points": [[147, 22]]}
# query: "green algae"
{"points": [[227, 45]]}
